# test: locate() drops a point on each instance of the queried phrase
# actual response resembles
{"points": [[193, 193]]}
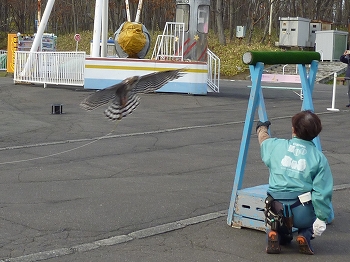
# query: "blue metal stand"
{"points": [[247, 205]]}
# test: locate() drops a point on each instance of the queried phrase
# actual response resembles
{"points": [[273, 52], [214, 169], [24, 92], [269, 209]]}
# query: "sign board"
{"points": [[12, 46], [77, 37]]}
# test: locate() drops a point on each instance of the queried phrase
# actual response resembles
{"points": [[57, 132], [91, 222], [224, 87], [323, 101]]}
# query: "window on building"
{"points": [[202, 19], [183, 15]]}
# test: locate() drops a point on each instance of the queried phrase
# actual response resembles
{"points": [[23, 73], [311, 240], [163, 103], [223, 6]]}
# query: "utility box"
{"points": [[294, 32], [240, 31], [331, 44], [318, 25], [314, 27]]}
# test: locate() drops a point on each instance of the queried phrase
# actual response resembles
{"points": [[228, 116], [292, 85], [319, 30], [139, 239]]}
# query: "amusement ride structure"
{"points": [[183, 44]]}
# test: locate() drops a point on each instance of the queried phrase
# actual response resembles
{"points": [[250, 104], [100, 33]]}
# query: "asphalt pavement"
{"points": [[154, 187]]}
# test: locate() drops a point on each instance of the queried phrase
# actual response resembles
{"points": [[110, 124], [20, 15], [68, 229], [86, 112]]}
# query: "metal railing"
{"points": [[67, 68], [3, 60], [213, 71], [169, 45], [64, 68]]}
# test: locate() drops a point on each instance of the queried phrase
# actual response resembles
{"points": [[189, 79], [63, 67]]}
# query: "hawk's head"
{"points": [[127, 85], [130, 82]]}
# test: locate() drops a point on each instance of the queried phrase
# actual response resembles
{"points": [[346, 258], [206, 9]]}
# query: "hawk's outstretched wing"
{"points": [[100, 97], [123, 96], [153, 81]]}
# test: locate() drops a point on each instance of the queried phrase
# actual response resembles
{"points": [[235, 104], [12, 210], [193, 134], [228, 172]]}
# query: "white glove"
{"points": [[319, 227]]}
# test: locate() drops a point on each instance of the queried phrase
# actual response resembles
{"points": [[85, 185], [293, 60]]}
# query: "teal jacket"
{"points": [[296, 167]]}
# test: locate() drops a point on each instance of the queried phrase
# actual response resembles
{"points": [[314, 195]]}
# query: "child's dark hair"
{"points": [[307, 125]]}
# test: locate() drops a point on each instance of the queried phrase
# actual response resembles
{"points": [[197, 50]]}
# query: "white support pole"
{"points": [[97, 29], [104, 34], [42, 26], [138, 14], [333, 96], [37, 39], [127, 10]]}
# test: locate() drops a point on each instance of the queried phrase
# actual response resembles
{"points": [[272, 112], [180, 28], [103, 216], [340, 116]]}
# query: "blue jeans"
{"points": [[303, 215]]}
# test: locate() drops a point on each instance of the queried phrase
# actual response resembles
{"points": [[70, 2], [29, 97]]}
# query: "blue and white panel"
{"points": [[103, 72]]}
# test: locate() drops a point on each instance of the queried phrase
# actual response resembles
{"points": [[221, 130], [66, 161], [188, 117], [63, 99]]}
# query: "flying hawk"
{"points": [[123, 96]]}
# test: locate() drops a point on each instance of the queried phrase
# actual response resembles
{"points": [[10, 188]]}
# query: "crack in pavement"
{"points": [[143, 233]]}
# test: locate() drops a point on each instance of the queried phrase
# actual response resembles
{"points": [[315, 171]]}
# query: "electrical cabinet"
{"points": [[240, 31], [331, 44], [314, 27], [294, 32]]}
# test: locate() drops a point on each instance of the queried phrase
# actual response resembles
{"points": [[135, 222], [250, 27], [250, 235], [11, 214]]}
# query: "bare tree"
{"points": [[256, 13], [5, 19], [219, 21], [20, 15]]}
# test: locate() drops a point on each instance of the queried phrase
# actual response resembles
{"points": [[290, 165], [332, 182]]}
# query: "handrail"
{"points": [[64, 68]]}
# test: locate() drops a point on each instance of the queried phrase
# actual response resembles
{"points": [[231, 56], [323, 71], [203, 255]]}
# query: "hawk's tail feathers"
{"points": [[116, 112]]}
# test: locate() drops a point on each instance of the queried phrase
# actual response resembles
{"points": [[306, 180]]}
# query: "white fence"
{"points": [[169, 45], [64, 68], [67, 68], [213, 71], [3, 60]]}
